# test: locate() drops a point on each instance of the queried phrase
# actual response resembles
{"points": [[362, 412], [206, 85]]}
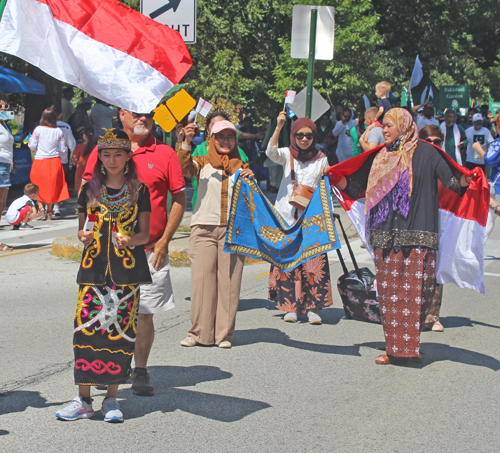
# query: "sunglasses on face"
{"points": [[436, 141], [4, 106], [139, 115], [300, 135]]}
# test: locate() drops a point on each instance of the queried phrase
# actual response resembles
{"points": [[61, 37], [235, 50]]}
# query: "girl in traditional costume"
{"points": [[114, 211], [307, 288]]}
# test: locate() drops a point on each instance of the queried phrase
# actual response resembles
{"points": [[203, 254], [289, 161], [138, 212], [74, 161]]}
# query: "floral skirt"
{"points": [[406, 282], [307, 287], [104, 333]]}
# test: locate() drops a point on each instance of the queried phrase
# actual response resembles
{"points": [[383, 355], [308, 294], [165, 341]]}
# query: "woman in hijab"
{"points": [[307, 288], [215, 274], [402, 222]]}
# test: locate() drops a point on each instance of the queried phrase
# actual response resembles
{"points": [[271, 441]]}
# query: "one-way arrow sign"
{"points": [[172, 4], [177, 14]]}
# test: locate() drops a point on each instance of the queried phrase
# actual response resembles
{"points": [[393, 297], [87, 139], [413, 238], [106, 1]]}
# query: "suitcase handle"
{"points": [[351, 253]]}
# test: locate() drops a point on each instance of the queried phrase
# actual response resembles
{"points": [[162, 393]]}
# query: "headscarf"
{"points": [[298, 153], [393, 164], [228, 162]]}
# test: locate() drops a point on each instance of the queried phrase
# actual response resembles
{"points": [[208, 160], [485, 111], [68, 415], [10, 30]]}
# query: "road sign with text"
{"points": [[177, 14]]}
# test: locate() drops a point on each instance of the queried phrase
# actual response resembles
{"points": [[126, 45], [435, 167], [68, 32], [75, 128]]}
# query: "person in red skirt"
{"points": [[47, 141]]}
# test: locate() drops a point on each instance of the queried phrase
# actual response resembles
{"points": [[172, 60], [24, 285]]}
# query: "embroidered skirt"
{"points": [[406, 282], [104, 334], [307, 287]]}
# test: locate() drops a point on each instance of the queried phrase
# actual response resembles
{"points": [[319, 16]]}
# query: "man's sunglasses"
{"points": [[300, 135], [4, 106], [139, 115], [436, 141]]}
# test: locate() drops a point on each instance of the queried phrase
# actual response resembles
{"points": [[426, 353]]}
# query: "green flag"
{"points": [[494, 106]]}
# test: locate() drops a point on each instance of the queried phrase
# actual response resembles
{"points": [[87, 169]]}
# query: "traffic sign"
{"points": [[177, 14]]}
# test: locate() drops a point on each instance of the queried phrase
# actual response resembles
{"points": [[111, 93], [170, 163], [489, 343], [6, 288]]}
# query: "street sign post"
{"points": [[177, 14], [313, 34]]}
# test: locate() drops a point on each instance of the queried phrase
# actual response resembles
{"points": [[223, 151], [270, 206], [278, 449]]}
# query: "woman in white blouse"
{"points": [[307, 288], [47, 141], [6, 157]]}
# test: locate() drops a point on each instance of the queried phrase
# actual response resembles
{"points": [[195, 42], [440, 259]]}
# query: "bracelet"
{"points": [[186, 147]]}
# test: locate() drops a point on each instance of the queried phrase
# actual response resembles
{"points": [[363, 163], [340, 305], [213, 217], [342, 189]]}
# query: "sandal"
{"points": [[49, 214], [5, 247]]}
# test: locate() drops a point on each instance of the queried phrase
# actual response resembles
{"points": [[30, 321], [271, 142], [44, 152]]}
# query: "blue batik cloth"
{"points": [[256, 229]]}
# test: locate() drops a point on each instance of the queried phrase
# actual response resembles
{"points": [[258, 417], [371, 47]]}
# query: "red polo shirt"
{"points": [[158, 167]]}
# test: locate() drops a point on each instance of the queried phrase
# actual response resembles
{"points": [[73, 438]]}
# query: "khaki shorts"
{"points": [[157, 296]]}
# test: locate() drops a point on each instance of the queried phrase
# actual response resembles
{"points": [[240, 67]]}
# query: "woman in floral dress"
{"points": [[307, 288]]}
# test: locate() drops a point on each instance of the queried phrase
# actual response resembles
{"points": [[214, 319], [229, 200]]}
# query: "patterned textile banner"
{"points": [[256, 229]]}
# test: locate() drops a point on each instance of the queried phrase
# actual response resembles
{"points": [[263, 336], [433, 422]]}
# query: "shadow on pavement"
{"points": [[266, 335], [20, 400], [438, 352], [169, 398], [460, 321]]}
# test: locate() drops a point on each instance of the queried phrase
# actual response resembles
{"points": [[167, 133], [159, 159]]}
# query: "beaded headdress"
{"points": [[111, 141], [222, 105]]}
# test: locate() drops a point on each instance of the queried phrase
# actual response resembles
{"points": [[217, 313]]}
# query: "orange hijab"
{"points": [[228, 162]]}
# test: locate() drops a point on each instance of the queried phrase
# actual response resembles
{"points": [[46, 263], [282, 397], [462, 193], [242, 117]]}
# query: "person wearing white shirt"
{"points": [[477, 134], [49, 145], [424, 115], [342, 130], [6, 156]]}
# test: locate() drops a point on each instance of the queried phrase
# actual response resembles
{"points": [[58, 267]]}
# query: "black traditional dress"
{"points": [[108, 296]]}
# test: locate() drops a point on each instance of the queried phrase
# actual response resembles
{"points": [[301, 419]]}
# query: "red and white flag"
{"points": [[290, 97], [101, 46], [462, 223], [203, 107]]}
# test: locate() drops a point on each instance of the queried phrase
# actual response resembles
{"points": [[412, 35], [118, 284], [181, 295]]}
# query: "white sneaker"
{"points": [[313, 317], [56, 210], [111, 411], [75, 410], [290, 317]]}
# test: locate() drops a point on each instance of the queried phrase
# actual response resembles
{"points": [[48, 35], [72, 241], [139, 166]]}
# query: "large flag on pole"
{"points": [[100, 46], [421, 86], [462, 223]]}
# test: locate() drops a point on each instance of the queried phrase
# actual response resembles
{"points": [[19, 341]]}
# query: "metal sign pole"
{"points": [[310, 66]]}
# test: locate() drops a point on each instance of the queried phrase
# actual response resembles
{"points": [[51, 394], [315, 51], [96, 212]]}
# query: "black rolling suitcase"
{"points": [[357, 288]]}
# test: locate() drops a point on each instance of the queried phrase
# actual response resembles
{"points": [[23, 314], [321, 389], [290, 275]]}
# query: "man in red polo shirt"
{"points": [[159, 168]]}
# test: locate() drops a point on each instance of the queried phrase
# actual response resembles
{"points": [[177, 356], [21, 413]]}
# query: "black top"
{"points": [[421, 227], [387, 106], [102, 263]]}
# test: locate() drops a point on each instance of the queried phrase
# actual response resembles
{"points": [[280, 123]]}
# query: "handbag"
{"points": [[301, 194], [492, 186]]}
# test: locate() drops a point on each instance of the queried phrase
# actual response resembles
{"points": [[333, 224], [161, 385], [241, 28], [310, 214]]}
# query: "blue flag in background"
{"points": [[256, 229]]}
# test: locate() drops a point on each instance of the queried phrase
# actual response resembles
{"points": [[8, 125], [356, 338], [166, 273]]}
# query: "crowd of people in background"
{"points": [[115, 178]]}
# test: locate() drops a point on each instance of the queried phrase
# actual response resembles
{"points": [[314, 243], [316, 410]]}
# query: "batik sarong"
{"points": [[307, 287], [104, 334], [406, 282]]}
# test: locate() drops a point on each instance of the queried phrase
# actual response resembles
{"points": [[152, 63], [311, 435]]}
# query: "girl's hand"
{"points": [[246, 173], [324, 171], [465, 180], [87, 237], [281, 120], [123, 240]]}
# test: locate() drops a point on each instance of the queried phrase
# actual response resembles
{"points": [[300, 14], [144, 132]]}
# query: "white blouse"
{"points": [[47, 142], [308, 173], [6, 144]]}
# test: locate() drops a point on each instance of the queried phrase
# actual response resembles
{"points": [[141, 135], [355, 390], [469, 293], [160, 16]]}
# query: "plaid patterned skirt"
{"points": [[406, 282], [104, 333], [307, 287]]}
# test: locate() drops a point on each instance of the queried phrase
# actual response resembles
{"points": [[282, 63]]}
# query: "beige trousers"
{"points": [[215, 285]]}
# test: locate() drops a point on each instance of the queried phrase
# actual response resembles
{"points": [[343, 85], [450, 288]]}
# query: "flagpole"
{"points": [[2, 7]]}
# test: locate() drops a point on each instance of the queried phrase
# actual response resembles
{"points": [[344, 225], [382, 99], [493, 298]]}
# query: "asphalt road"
{"points": [[282, 387]]}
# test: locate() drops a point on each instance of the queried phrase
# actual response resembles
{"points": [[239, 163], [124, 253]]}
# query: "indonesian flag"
{"points": [[101, 46], [462, 223]]}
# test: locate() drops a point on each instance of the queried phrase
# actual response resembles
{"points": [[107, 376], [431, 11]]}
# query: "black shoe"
{"points": [[16, 227], [141, 385]]}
